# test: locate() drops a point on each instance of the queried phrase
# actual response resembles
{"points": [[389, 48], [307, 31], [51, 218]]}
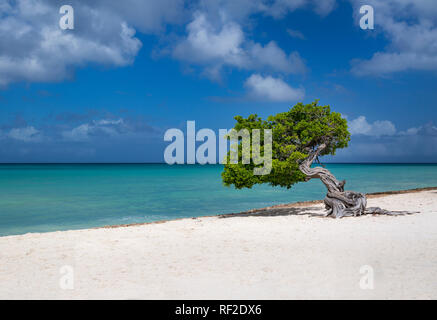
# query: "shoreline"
{"points": [[279, 253], [371, 195]]}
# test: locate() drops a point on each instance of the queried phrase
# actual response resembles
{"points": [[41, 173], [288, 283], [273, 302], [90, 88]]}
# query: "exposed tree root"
{"points": [[351, 204], [340, 203]]}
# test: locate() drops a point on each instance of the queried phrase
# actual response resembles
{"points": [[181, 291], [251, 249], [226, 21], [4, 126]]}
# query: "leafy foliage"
{"points": [[296, 133]]}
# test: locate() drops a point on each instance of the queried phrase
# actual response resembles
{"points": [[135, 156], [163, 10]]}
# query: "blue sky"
{"points": [[107, 90]]}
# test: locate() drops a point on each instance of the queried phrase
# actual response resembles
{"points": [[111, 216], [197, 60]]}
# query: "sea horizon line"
{"points": [[185, 164]]}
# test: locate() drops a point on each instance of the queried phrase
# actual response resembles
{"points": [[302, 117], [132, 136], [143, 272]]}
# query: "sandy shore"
{"points": [[287, 252]]}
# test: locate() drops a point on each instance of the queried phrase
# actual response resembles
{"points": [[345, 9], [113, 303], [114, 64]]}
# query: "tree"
{"points": [[300, 136]]}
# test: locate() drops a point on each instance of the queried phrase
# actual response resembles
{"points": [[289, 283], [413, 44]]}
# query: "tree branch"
{"points": [[328, 179]]}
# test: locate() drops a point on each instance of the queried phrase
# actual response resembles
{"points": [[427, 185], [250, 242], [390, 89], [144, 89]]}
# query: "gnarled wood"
{"points": [[339, 203]]}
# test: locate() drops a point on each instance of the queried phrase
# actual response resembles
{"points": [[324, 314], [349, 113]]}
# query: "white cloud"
{"points": [[79, 133], [380, 141], [106, 130], [147, 16], [103, 127], [105, 122], [280, 8], [296, 34], [397, 148], [410, 132], [272, 89], [224, 44], [34, 49], [410, 26], [325, 7], [26, 134], [241, 10], [274, 58], [360, 126], [428, 129], [377, 128], [204, 43]]}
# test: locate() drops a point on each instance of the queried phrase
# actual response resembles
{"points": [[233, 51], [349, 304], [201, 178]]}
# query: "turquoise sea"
{"points": [[49, 197]]}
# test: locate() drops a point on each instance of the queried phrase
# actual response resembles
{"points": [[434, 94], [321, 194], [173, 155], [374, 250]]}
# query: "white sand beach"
{"points": [[281, 253]]}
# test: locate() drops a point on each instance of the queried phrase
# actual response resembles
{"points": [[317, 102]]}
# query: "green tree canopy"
{"points": [[296, 134]]}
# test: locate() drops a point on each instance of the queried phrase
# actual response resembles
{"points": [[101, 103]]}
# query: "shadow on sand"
{"points": [[276, 212]]}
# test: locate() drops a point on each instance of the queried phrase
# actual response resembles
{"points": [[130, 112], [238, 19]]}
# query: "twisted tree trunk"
{"points": [[339, 203]]}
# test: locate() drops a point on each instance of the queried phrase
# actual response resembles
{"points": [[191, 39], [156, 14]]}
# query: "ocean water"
{"points": [[43, 197]]}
